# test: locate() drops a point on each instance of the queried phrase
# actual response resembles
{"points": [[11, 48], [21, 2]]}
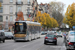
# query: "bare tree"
{"points": [[57, 11]]}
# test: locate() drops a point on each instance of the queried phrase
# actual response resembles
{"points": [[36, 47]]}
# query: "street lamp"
{"points": [[6, 24]]}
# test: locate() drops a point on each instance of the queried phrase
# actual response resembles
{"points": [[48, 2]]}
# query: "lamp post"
{"points": [[16, 8], [6, 24]]}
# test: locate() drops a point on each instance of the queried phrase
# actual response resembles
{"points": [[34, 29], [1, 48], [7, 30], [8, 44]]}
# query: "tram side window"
{"points": [[35, 29], [25, 25], [39, 29], [30, 28]]}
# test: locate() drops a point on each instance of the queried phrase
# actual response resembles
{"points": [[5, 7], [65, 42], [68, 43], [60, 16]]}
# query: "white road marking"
{"points": [[23, 46]]}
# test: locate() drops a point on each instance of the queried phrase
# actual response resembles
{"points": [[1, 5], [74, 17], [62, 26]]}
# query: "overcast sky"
{"points": [[66, 2]]}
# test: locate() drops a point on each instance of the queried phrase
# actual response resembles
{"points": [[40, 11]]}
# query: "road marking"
{"points": [[22, 46], [25, 45], [40, 47]]}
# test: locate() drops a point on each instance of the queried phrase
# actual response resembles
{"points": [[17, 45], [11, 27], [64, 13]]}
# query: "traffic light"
{"points": [[0, 4]]}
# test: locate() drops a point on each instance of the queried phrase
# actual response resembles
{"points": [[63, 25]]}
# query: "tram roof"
{"points": [[30, 22]]}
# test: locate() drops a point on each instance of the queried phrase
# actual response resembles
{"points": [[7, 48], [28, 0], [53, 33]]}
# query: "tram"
{"points": [[26, 30]]}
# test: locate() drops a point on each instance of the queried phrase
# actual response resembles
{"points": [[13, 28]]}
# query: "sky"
{"points": [[66, 2]]}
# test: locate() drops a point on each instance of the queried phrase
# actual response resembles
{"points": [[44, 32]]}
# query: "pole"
{"points": [[16, 8]]}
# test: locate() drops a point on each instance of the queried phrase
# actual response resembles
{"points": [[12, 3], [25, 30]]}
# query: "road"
{"points": [[32, 45]]}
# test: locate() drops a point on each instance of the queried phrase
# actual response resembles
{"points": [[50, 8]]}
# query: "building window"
{"points": [[28, 10], [11, 18], [11, 9], [1, 18], [11, 0], [19, 8], [19, 1], [1, 1], [1, 9], [28, 1]]}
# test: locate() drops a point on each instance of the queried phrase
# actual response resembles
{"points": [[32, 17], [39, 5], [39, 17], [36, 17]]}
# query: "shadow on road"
{"points": [[50, 44]]}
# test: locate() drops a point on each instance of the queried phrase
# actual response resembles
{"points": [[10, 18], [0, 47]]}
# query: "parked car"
{"points": [[70, 43], [2, 36], [8, 35], [52, 31], [43, 32], [59, 34], [70, 40], [50, 38]]}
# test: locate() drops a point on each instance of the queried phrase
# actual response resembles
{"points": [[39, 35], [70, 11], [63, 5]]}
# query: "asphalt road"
{"points": [[37, 44]]}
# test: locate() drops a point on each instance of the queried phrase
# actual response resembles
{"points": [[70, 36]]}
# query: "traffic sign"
{"points": [[73, 27]]}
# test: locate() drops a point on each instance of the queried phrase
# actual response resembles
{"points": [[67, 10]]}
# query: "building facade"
{"points": [[45, 8], [9, 9]]}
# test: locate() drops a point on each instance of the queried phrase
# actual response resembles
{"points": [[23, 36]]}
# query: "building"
{"points": [[35, 8], [45, 8], [9, 9]]}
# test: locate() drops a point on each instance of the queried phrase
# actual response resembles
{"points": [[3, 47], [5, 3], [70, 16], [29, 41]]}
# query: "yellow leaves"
{"points": [[70, 15], [64, 20], [55, 23], [46, 20], [0, 4]]}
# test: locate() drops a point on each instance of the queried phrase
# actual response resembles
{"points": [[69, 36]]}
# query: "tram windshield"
{"points": [[20, 27]]}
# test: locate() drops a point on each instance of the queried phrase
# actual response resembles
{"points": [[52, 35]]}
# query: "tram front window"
{"points": [[20, 28]]}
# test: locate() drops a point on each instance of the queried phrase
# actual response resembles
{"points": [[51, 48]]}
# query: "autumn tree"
{"points": [[70, 15], [20, 16], [64, 20], [0, 4], [38, 16], [57, 11], [54, 23], [43, 19], [46, 20]]}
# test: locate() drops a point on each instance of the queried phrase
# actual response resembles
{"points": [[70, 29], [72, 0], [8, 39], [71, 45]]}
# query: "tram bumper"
{"points": [[20, 38]]}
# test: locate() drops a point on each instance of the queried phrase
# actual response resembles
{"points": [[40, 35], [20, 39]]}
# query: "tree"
{"points": [[38, 16], [64, 20], [70, 15], [20, 16], [57, 11], [43, 20], [46, 20], [54, 23], [0, 4]]}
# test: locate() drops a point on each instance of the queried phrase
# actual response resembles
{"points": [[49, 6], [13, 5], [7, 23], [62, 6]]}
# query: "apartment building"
{"points": [[45, 8], [9, 9]]}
